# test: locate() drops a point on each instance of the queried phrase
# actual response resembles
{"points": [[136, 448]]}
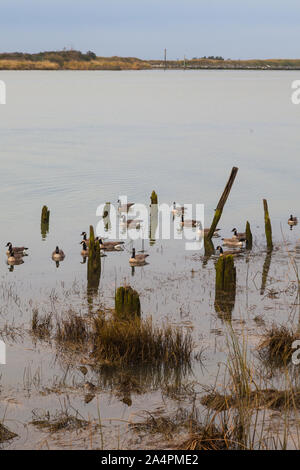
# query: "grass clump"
{"points": [[73, 330], [276, 347], [208, 438], [61, 420], [165, 425], [139, 342], [267, 398], [127, 303], [41, 326], [6, 434]]}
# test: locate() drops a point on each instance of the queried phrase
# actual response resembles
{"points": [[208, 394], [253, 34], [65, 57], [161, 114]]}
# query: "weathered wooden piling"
{"points": [[127, 303], [153, 198], [268, 227], [153, 217], [94, 262], [45, 214], [225, 288], [249, 238], [45, 219], [208, 245]]}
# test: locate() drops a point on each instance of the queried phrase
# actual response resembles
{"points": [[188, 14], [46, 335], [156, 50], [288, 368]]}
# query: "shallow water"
{"points": [[74, 140]]}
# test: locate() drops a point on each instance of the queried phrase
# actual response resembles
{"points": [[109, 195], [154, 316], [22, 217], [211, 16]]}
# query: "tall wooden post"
{"points": [[209, 248]]}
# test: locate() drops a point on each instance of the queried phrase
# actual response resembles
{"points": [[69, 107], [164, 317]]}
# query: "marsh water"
{"points": [[75, 140]]}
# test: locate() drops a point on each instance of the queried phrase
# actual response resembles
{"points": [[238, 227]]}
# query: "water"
{"points": [[74, 140]]}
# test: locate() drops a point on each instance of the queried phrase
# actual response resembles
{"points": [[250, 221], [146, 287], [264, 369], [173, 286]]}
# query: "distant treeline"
{"points": [[77, 60], [59, 57], [67, 60]]}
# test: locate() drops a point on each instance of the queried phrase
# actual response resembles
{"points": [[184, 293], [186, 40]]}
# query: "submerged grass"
{"points": [[267, 398], [62, 420], [41, 326]]}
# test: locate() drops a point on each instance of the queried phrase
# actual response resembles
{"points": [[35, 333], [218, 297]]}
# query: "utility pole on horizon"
{"points": [[165, 59]]}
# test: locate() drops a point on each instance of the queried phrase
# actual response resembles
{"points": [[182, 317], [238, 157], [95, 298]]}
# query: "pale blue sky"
{"points": [[142, 28]]}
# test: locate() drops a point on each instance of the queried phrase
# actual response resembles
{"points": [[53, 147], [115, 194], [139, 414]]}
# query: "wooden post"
{"points": [[248, 236], [94, 262], [127, 303], [153, 217], [209, 248], [268, 227], [45, 217], [153, 198]]}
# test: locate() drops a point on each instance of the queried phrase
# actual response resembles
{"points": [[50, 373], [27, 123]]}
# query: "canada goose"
{"points": [[241, 236], [84, 235], [110, 246], [232, 241], [137, 259], [292, 221], [85, 249], [131, 223], [16, 249], [124, 207], [227, 252], [177, 210], [188, 223], [14, 258], [205, 231], [58, 255]]}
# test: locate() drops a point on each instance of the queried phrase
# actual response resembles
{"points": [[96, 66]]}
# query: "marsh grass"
{"points": [[62, 420], [276, 346], [242, 408], [140, 342], [208, 438], [73, 330], [167, 425], [41, 326], [6, 434], [267, 398]]}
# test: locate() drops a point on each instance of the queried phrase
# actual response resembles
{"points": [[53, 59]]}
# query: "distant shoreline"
{"points": [[76, 60]]}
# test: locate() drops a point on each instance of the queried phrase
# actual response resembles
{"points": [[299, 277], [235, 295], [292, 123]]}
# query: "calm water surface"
{"points": [[74, 140]]}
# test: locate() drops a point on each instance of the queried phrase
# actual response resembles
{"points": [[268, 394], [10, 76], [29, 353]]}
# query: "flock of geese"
{"points": [[15, 254]]}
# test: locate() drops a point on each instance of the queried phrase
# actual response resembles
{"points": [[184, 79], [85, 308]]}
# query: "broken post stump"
{"points": [[94, 262], [127, 303], [268, 227], [153, 197], [153, 217], [45, 214], [249, 239], [45, 218]]}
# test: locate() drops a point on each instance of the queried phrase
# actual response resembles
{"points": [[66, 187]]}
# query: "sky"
{"points": [[237, 29]]}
